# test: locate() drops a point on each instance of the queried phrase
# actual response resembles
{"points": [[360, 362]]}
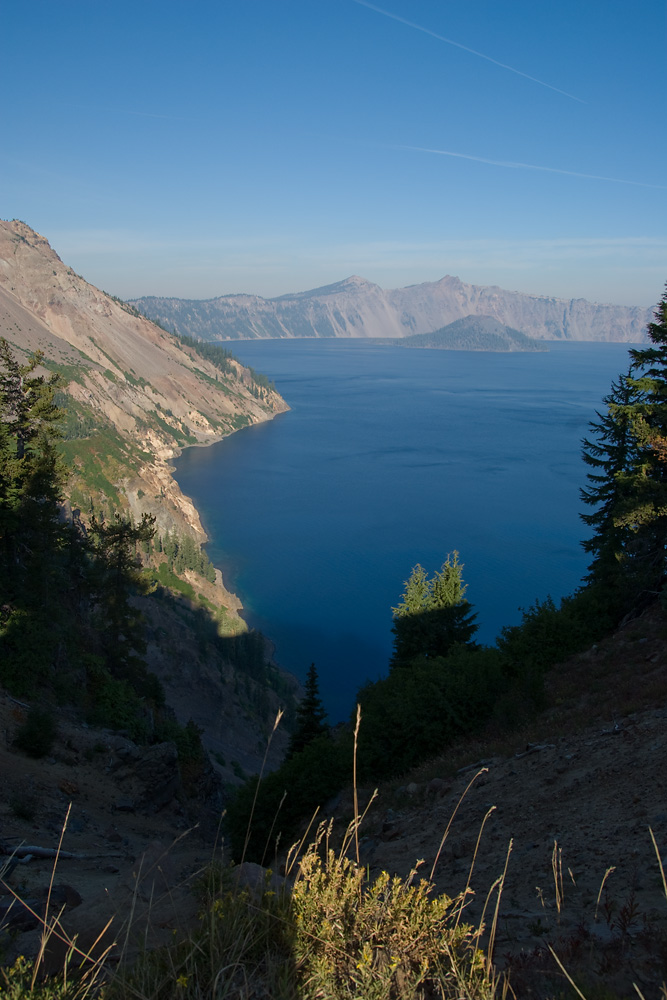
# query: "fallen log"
{"points": [[40, 852]]}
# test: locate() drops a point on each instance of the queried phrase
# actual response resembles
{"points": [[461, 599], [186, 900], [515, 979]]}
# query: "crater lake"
{"points": [[390, 457]]}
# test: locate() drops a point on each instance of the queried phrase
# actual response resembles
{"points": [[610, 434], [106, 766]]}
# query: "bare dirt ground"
{"points": [[569, 807], [138, 844]]}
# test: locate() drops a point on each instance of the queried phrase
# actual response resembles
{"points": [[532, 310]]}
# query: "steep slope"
{"points": [[130, 381], [357, 308], [572, 797], [134, 396]]}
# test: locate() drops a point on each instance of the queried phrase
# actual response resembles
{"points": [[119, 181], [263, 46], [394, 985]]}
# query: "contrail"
{"points": [[474, 52], [525, 166]]}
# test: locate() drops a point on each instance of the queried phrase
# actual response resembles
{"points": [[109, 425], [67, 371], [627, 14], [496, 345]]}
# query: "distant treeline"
{"points": [[221, 358]]}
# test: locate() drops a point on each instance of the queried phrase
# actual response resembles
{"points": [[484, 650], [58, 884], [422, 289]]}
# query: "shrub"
{"points": [[37, 734], [549, 634], [380, 939], [337, 935], [422, 707]]}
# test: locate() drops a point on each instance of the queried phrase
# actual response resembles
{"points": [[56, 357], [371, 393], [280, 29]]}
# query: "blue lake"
{"points": [[387, 458]]}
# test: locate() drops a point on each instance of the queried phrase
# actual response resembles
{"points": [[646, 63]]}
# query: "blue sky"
{"points": [[202, 148]]}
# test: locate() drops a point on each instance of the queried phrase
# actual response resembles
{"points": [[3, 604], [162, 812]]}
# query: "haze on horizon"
{"points": [[196, 150]]}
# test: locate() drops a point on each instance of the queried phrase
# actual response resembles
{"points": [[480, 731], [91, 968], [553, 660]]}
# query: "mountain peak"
{"points": [[355, 281], [352, 284]]}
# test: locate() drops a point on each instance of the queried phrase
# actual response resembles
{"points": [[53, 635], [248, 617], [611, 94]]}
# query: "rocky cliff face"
{"points": [[358, 308], [153, 391]]}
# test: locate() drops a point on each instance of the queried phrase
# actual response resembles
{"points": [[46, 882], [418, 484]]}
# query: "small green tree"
{"points": [[644, 510], [434, 614], [612, 454], [310, 715], [27, 399]]}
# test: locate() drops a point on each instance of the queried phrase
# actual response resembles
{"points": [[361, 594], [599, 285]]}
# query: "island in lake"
{"points": [[474, 333]]}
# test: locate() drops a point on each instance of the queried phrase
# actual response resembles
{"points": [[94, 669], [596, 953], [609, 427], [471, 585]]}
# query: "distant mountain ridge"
{"points": [[475, 333], [358, 308]]}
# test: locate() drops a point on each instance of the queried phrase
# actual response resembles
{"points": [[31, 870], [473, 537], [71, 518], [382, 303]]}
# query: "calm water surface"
{"points": [[387, 458]]}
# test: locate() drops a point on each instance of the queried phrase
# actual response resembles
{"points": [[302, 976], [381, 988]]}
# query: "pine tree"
{"points": [[452, 615], [433, 615], [310, 715], [32, 473], [611, 453], [629, 481], [28, 405], [643, 507]]}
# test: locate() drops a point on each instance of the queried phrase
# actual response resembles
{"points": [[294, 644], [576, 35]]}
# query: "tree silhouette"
{"points": [[433, 615], [310, 715], [117, 577]]}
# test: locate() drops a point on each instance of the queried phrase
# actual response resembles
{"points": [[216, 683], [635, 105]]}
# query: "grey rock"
{"points": [[124, 805]]}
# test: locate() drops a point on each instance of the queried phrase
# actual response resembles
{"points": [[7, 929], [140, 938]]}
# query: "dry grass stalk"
{"points": [[466, 891], [354, 783], [259, 780], [498, 884], [557, 869], [273, 824], [472, 781], [90, 968], [566, 974], [660, 864], [602, 885]]}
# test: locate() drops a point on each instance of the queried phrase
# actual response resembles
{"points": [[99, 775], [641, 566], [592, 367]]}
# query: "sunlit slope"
{"points": [[139, 394]]}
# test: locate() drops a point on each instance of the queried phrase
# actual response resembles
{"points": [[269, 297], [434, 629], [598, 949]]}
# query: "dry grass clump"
{"points": [[240, 949], [332, 933], [380, 940]]}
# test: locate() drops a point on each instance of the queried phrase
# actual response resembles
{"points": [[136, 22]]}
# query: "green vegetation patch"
{"points": [[167, 578], [174, 433], [99, 462], [79, 421], [125, 306], [69, 372], [102, 351], [222, 359], [137, 381]]}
